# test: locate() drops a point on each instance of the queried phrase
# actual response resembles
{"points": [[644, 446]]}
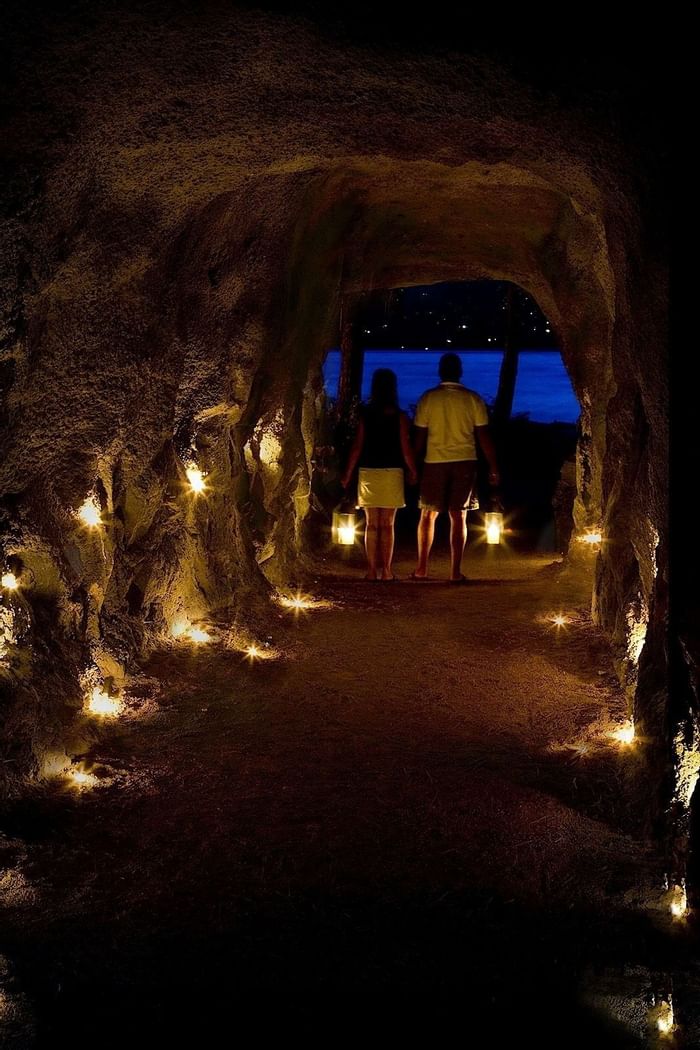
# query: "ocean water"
{"points": [[543, 388]]}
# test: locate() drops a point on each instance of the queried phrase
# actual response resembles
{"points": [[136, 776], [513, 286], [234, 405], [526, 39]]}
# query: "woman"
{"points": [[382, 447]]}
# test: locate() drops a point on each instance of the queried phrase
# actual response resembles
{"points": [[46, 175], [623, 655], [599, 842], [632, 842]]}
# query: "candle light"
{"points": [[344, 528], [196, 479], [9, 581], [624, 734], [591, 536], [493, 523], [679, 901], [90, 513], [101, 703]]}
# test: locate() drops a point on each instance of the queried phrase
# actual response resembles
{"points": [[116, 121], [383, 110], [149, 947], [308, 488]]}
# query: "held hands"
{"points": [[412, 477]]}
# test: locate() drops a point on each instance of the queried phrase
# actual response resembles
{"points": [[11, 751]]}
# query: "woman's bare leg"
{"points": [[387, 516], [372, 541]]}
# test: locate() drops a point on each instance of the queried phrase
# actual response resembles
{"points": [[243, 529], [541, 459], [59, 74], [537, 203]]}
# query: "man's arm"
{"points": [[486, 445]]}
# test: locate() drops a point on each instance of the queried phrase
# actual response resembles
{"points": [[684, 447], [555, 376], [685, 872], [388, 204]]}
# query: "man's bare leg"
{"points": [[426, 534], [458, 539], [372, 541], [386, 542]]}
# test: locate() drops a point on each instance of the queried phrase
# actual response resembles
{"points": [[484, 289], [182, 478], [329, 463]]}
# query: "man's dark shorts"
{"points": [[447, 486]]}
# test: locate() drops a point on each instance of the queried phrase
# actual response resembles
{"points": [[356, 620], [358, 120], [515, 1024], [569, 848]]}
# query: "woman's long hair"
{"points": [[384, 390]]}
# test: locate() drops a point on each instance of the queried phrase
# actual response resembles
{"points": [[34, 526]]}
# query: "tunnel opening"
{"points": [[533, 409]]}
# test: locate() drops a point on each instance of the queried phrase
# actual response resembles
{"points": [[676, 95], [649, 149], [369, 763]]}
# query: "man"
{"points": [[450, 420]]}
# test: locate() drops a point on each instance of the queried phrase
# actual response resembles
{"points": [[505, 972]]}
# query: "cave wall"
{"points": [[187, 200]]}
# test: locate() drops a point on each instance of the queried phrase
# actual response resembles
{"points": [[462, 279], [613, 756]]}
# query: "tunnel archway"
{"points": [[177, 258]]}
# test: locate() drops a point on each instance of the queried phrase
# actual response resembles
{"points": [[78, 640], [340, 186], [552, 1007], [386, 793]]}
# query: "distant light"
{"points": [[10, 581], [90, 513], [100, 703], [560, 620], [253, 652], [624, 734], [196, 479], [462, 326], [448, 340]]}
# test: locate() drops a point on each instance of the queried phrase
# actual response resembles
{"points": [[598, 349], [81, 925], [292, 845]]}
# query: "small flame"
{"points": [[10, 581], [90, 513], [196, 479], [624, 734], [101, 703]]}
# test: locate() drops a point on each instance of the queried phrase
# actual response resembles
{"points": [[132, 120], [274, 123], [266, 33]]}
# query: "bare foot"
{"points": [[371, 576], [417, 576], [387, 576]]}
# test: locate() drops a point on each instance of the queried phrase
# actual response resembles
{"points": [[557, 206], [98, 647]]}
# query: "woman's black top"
{"points": [[382, 445]]}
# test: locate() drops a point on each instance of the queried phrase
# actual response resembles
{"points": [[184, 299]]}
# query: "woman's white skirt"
{"points": [[380, 487]]}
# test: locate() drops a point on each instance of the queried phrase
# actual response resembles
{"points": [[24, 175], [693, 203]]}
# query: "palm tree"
{"points": [[503, 405]]}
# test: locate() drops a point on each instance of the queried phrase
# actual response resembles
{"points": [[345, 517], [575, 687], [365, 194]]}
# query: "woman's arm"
{"points": [[355, 452], [407, 450]]}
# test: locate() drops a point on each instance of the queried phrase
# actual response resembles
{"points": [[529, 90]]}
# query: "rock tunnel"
{"points": [[190, 203]]}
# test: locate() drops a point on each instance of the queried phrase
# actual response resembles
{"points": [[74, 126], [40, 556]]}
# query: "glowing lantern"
{"points": [[254, 653], [344, 528], [625, 734], [10, 581], [100, 703], [559, 620], [493, 521], [664, 1016], [196, 479], [679, 901], [90, 513]]}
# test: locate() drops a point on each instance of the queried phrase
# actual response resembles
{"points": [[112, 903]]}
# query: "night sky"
{"points": [[457, 315]]}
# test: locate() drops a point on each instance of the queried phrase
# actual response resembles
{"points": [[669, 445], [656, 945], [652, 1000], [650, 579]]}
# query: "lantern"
{"points": [[344, 528], [493, 522]]}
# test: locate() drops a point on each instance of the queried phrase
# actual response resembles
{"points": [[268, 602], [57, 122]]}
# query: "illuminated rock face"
{"points": [[182, 222]]}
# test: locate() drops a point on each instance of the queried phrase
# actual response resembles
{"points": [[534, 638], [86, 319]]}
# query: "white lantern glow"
{"points": [[9, 581], [344, 525], [493, 522]]}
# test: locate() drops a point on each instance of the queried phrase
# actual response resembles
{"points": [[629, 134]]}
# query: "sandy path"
{"points": [[392, 820]]}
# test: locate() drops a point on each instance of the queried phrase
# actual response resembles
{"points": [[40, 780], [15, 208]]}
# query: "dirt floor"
{"points": [[411, 825]]}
